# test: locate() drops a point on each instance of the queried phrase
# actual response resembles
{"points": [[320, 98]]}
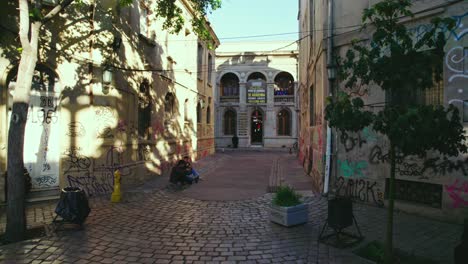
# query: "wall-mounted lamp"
{"points": [[331, 71], [107, 75]]}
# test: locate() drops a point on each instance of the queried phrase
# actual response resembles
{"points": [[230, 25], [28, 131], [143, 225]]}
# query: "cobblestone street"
{"points": [[223, 219]]}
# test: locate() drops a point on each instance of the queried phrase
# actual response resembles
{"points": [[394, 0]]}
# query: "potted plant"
{"points": [[287, 209]]}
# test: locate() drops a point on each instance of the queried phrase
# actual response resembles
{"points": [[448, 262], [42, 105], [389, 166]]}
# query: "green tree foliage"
{"points": [[173, 19], [403, 65]]}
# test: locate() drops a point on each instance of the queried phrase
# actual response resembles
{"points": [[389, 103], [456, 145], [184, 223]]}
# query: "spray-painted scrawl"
{"points": [[41, 153], [456, 58]]}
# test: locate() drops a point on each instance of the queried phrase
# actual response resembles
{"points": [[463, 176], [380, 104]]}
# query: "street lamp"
{"points": [[107, 75]]}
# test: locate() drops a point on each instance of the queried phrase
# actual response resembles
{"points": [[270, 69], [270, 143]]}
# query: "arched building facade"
{"points": [[256, 95]]}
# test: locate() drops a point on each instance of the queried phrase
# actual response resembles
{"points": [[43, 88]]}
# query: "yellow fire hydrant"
{"points": [[116, 194]]}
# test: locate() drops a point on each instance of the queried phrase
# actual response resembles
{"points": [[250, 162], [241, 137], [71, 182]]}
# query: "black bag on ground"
{"points": [[73, 205]]}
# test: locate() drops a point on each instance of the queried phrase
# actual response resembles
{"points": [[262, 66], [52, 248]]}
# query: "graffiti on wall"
{"points": [[96, 176], [351, 141], [403, 167], [363, 190], [456, 57], [418, 192], [46, 181], [436, 166], [45, 112], [76, 161], [455, 62], [459, 31], [41, 155], [93, 184], [458, 193], [315, 153], [446, 166], [105, 120], [350, 168], [44, 146]]}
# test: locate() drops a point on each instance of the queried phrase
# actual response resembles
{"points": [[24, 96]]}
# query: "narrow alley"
{"points": [[222, 219]]}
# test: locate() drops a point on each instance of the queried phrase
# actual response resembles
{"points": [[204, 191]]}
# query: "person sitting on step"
{"points": [[192, 173], [179, 174]]}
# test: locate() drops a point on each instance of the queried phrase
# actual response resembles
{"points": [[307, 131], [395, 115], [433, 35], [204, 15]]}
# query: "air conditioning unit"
{"points": [[50, 2]]}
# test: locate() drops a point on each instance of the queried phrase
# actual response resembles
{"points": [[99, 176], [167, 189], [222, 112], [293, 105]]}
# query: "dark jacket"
{"points": [[178, 173]]}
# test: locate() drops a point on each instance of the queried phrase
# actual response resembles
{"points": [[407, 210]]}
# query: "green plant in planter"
{"points": [[285, 196]]}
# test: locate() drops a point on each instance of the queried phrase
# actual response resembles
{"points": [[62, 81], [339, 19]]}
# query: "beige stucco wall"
{"points": [[269, 59], [97, 124], [357, 167]]}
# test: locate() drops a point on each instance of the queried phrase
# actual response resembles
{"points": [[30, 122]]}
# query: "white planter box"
{"points": [[289, 216]]}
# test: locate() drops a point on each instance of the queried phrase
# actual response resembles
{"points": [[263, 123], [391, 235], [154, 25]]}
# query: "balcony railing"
{"points": [[284, 98], [229, 99]]}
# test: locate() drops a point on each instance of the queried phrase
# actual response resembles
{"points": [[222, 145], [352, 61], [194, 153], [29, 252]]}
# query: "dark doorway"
{"points": [[256, 128]]}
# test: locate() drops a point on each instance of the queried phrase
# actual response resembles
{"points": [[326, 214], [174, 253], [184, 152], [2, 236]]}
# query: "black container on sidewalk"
{"points": [[340, 213], [73, 205]]}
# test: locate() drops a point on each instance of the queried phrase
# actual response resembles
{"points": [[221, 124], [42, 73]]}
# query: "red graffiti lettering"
{"points": [[456, 191]]}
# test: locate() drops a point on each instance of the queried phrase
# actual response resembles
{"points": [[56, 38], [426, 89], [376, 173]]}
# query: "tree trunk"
{"points": [[16, 219], [388, 253]]}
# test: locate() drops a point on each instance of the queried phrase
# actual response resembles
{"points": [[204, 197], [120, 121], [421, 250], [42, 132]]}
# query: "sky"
{"points": [[240, 18]]}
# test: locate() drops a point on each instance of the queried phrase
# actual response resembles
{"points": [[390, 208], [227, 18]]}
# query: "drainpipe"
{"points": [[331, 72]]}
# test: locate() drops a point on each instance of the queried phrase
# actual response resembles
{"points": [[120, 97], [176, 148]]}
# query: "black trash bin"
{"points": [[73, 205], [340, 213]]}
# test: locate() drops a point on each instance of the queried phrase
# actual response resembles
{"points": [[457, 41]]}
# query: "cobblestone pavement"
{"points": [[156, 224]]}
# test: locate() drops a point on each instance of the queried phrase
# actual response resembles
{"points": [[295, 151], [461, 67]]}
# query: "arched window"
{"points": [[284, 123], [229, 85], [169, 104], [229, 122], [208, 115], [199, 113], [200, 61], [256, 89], [284, 84], [256, 76], [144, 110], [208, 111]]}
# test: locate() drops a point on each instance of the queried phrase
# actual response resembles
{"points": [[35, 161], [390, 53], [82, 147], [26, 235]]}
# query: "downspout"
{"points": [[331, 77]]}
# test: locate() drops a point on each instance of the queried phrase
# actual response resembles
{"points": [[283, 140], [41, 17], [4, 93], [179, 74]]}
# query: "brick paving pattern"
{"points": [[155, 224]]}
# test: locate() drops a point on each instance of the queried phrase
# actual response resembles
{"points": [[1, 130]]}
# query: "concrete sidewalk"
{"points": [[223, 219]]}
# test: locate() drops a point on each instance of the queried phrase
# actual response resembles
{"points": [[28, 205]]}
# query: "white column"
{"points": [[294, 117]]}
